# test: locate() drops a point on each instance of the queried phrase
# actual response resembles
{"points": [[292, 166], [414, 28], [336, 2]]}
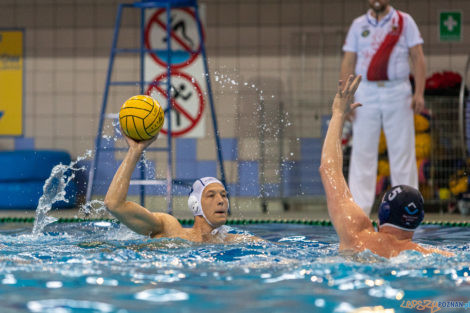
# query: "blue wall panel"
{"points": [[186, 169], [229, 149], [186, 149], [23, 143], [206, 168], [248, 178]]}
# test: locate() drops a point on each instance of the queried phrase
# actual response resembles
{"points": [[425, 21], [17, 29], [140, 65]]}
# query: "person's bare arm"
{"points": [[347, 217], [419, 71], [134, 216], [442, 252], [426, 250]]}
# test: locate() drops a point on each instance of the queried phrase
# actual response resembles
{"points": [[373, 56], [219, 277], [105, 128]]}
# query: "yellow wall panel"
{"points": [[11, 82]]}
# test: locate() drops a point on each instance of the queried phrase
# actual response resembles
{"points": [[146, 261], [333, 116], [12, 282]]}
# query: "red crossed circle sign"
{"points": [[190, 111], [155, 30]]}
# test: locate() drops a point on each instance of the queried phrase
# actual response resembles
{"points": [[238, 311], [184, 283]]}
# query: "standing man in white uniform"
{"points": [[378, 46]]}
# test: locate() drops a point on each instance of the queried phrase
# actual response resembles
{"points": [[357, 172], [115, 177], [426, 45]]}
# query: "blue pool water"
{"points": [[103, 267]]}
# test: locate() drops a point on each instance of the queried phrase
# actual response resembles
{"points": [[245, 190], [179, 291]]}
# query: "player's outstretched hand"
{"points": [[345, 96], [139, 145]]}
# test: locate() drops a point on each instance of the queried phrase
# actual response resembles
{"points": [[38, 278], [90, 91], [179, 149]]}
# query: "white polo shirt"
{"points": [[365, 36]]}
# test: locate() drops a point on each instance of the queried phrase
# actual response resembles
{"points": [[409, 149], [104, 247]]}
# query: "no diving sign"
{"points": [[184, 39], [187, 102]]}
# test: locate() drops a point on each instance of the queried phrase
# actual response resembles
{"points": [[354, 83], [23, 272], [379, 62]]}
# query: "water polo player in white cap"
{"points": [[207, 201]]}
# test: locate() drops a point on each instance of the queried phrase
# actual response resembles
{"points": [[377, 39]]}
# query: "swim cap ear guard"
{"points": [[384, 211], [193, 204], [402, 208]]}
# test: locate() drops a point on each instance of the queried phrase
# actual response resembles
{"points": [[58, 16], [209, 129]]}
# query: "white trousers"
{"points": [[387, 105]]}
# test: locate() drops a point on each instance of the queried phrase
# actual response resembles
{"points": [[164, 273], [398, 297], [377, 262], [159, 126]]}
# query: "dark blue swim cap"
{"points": [[402, 207]]}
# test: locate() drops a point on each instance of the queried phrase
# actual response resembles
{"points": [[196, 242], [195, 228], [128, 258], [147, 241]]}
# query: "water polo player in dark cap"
{"points": [[401, 210]]}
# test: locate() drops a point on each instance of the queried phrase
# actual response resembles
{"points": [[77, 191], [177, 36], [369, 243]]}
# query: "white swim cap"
{"points": [[194, 200]]}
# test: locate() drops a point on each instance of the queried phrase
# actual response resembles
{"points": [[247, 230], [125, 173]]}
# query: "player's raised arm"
{"points": [[134, 216], [347, 217]]}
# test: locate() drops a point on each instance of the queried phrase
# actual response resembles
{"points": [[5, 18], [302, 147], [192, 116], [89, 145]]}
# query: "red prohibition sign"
{"points": [[178, 107], [193, 54]]}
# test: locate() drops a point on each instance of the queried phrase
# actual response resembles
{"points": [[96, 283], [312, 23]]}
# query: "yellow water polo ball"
{"points": [[141, 117]]}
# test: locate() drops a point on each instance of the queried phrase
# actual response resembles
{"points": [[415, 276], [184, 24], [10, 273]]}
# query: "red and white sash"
{"points": [[379, 63]]}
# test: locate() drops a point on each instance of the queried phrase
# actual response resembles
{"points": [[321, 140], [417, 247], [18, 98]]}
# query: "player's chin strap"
{"points": [[217, 230], [221, 230], [197, 211], [195, 207]]}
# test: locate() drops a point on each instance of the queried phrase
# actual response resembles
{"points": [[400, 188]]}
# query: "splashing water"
{"points": [[148, 166], [268, 119], [54, 190], [116, 127], [93, 209]]}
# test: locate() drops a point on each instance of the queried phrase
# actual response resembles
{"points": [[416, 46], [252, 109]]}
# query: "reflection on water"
{"points": [[104, 267]]}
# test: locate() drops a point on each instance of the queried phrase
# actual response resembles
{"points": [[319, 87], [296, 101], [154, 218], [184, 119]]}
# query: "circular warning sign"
{"points": [[187, 101], [185, 40]]}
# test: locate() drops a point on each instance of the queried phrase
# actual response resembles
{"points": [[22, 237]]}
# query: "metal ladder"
{"points": [[142, 50]]}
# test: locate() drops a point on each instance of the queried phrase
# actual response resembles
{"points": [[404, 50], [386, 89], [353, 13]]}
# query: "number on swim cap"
{"points": [[394, 193]]}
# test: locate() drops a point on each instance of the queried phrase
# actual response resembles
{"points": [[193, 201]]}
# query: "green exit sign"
{"points": [[450, 26]]}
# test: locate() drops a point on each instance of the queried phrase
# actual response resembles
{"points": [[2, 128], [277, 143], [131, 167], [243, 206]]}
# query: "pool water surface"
{"points": [[103, 267]]}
